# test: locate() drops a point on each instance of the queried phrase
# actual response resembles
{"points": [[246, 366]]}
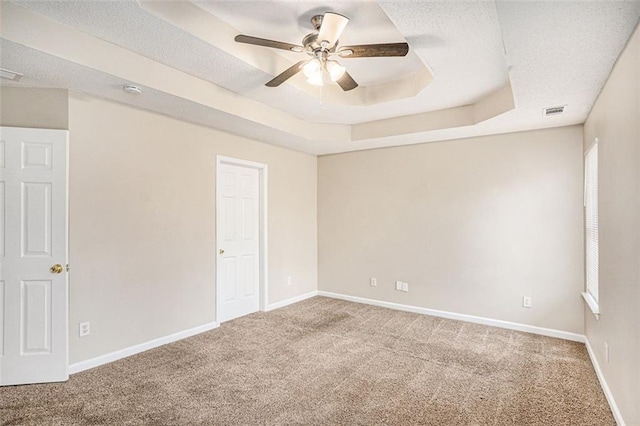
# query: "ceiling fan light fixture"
{"points": [[335, 70], [316, 79], [322, 45], [312, 68]]}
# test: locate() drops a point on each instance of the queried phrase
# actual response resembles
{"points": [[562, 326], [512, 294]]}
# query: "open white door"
{"points": [[33, 250], [239, 224]]}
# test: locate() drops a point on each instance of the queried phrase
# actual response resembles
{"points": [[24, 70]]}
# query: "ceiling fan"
{"points": [[322, 46]]}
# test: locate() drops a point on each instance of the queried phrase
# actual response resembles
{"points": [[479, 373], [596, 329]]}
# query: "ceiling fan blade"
{"points": [[332, 26], [268, 43], [346, 82], [374, 50], [286, 74]]}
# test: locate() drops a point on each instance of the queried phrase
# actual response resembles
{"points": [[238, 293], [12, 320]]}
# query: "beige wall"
{"points": [[142, 214], [39, 108], [614, 120], [472, 225]]}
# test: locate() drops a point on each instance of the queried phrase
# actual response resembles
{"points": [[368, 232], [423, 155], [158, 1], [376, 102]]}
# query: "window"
{"points": [[591, 227]]}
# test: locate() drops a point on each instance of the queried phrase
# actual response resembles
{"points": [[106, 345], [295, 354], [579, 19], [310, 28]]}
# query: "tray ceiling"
{"points": [[495, 66]]}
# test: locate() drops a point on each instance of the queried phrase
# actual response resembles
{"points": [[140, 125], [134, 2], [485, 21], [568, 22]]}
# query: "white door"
{"points": [[238, 222], [33, 250]]}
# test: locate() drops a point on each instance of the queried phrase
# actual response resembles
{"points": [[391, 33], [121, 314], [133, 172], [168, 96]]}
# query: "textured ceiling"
{"points": [[553, 53], [290, 22]]}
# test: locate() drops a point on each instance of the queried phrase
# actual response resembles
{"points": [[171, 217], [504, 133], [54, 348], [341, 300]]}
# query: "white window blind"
{"points": [[591, 219]]}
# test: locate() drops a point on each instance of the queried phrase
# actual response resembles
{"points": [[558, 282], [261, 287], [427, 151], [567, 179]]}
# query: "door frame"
{"points": [[263, 169]]}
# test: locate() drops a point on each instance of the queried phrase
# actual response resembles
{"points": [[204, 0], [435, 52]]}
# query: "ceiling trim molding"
{"points": [[488, 107]]}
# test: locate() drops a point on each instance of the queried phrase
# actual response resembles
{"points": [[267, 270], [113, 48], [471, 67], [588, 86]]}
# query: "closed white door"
{"points": [[238, 264], [33, 249]]}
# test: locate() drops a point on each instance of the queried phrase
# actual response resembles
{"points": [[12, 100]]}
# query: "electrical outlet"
{"points": [[374, 282], [288, 280], [84, 329], [526, 302], [400, 286], [606, 351]]}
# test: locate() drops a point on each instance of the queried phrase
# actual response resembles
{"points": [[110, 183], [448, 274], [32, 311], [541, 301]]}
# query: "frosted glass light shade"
{"points": [[335, 70], [312, 68]]}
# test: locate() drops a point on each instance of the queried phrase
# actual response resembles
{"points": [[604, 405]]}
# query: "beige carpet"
{"points": [[325, 361]]}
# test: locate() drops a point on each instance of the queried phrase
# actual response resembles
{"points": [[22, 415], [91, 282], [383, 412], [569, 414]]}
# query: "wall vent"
{"points": [[10, 75], [556, 110]]}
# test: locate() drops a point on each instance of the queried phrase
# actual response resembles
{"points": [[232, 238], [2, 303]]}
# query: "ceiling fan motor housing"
{"points": [[310, 42], [316, 21]]}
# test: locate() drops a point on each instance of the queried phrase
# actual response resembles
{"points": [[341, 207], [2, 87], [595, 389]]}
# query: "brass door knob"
{"points": [[221, 251], [56, 269]]}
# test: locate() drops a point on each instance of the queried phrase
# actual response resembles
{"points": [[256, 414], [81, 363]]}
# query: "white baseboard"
{"points": [[603, 383], [291, 300], [461, 317], [136, 349], [132, 350]]}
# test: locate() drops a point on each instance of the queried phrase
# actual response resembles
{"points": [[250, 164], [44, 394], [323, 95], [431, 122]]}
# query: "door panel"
{"points": [[238, 202], [36, 156], [230, 279], [36, 317], [33, 226], [248, 274], [248, 218], [36, 219], [229, 218]]}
